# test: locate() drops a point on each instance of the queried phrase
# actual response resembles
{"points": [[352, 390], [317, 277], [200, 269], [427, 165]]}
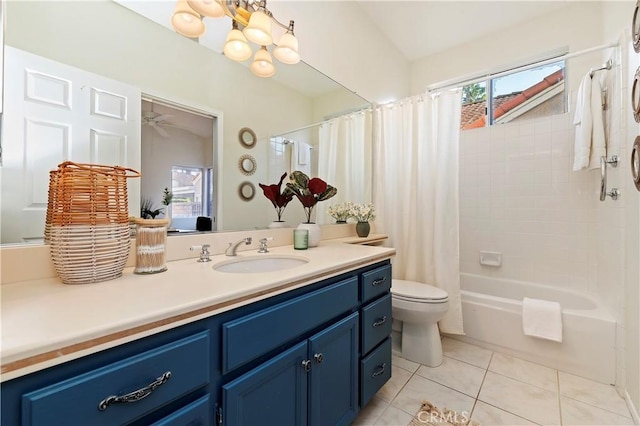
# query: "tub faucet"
{"points": [[233, 247]]}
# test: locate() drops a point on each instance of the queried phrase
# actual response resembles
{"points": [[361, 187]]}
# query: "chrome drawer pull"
{"points": [[379, 281], [306, 365], [380, 370], [319, 358], [135, 395], [380, 321]]}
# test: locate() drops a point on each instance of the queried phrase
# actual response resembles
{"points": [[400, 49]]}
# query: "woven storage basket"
{"points": [[87, 221]]}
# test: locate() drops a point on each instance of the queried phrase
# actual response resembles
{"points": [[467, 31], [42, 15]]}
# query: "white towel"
{"points": [[304, 154], [542, 319], [301, 157], [589, 133]]}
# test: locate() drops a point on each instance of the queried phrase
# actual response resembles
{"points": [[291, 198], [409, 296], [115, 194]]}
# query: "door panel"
{"points": [[54, 113], [333, 394], [274, 393]]}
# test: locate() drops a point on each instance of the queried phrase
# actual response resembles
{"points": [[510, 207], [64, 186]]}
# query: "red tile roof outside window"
{"points": [[474, 114]]}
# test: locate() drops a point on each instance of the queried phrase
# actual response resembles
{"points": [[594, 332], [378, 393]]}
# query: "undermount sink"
{"points": [[256, 264]]}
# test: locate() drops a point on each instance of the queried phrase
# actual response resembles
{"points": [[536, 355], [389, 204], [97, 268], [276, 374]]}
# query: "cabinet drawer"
{"points": [[376, 282], [198, 413], [76, 401], [246, 338], [375, 370], [376, 323]]}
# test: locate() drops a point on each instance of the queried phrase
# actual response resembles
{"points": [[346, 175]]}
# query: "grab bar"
{"points": [[615, 192]]}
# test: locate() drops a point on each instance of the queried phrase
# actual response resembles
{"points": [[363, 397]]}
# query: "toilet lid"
{"points": [[411, 290]]}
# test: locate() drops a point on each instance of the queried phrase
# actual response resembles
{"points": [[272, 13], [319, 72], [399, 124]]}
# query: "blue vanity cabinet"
{"points": [[314, 382], [375, 331], [163, 379], [296, 358]]}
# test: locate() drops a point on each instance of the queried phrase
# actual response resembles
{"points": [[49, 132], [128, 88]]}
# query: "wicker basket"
{"points": [[87, 221]]}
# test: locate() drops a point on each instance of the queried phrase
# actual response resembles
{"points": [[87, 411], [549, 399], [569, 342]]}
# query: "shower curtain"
{"points": [[344, 160], [416, 191]]}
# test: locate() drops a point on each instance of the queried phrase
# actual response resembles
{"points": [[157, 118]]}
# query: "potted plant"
{"points": [[340, 211], [363, 214], [147, 211], [278, 198], [309, 192]]}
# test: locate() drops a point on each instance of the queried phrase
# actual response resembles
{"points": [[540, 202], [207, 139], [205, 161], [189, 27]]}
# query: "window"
{"points": [[192, 192], [537, 91]]}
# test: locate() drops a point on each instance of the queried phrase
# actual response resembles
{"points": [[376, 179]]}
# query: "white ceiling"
{"points": [[421, 28]]}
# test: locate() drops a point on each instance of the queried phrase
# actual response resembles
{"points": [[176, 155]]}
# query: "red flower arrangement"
{"points": [[277, 198], [309, 191]]}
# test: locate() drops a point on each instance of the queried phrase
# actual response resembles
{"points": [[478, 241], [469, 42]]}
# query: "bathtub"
{"points": [[492, 313]]}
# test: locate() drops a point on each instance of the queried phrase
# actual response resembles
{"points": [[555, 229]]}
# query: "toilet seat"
{"points": [[412, 291]]}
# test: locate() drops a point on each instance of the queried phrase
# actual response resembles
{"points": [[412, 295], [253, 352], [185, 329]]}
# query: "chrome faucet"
{"points": [[233, 247], [204, 252], [263, 245]]}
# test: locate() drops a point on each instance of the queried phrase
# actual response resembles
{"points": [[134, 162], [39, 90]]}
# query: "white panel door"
{"points": [[54, 113]]}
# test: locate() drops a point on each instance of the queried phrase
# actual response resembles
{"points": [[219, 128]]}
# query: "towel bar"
{"points": [[615, 192], [606, 66]]}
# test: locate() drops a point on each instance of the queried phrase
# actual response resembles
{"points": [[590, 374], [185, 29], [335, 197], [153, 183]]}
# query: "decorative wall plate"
{"points": [[246, 191], [635, 27], [635, 162], [247, 165], [247, 137], [635, 96]]}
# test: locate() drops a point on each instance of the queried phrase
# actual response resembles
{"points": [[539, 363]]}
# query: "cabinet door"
{"points": [[274, 393], [333, 392]]}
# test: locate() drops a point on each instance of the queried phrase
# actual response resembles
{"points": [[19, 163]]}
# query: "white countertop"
{"points": [[45, 322]]}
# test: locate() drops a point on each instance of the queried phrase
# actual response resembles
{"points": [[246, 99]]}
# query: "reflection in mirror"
{"points": [[337, 150], [247, 137], [247, 191], [81, 35]]}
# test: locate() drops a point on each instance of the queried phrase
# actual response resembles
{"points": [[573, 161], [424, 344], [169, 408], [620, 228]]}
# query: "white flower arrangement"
{"points": [[362, 212], [340, 211]]}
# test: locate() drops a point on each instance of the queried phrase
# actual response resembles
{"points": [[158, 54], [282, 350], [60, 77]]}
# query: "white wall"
{"points": [[337, 38], [518, 193], [615, 16], [576, 27]]}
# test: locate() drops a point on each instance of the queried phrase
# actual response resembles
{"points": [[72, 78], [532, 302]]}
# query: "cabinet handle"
{"points": [[379, 281], [135, 395], [380, 321], [306, 364], [380, 370], [319, 358]]}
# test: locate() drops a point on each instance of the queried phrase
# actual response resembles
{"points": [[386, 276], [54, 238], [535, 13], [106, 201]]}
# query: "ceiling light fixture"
{"points": [[251, 21]]}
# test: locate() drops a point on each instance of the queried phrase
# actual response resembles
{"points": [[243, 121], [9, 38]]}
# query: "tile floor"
{"points": [[495, 389]]}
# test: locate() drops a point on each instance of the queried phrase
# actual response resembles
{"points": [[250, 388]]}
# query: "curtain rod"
{"points": [[320, 123], [465, 81]]}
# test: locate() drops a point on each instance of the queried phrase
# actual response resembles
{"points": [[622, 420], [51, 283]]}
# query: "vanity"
{"points": [[305, 345]]}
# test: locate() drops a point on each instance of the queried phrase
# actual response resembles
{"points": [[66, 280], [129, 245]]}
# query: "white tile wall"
{"points": [[519, 196]]}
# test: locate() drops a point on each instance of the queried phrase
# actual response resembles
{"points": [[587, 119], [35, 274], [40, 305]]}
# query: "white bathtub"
{"points": [[492, 313]]}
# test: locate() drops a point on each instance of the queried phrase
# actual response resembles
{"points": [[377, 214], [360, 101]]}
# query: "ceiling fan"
{"points": [[157, 121]]}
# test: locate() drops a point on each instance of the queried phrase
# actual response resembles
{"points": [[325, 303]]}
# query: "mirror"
{"points": [[247, 137], [81, 34], [247, 165], [247, 191]]}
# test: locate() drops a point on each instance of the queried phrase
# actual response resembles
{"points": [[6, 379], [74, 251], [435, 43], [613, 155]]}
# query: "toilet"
{"points": [[419, 306]]}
